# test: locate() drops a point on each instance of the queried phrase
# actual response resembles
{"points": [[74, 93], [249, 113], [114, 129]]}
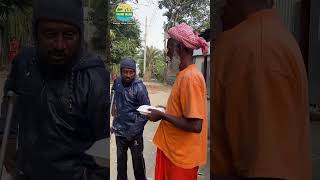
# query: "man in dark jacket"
{"points": [[63, 99], [128, 123]]}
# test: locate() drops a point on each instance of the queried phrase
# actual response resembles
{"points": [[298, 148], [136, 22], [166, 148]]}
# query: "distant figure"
{"points": [[114, 77], [260, 123], [13, 49]]}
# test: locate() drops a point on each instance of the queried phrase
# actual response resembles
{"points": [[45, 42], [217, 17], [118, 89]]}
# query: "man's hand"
{"points": [[155, 115]]}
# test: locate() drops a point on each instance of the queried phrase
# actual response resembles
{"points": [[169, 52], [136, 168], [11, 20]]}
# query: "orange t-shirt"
{"points": [[188, 99], [260, 118]]}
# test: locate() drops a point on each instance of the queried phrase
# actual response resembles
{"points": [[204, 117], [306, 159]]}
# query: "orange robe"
{"points": [[188, 99]]}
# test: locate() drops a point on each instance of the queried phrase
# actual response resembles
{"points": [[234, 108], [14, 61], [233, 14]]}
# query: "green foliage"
{"points": [[11, 6], [193, 12], [125, 39], [160, 68], [20, 26], [15, 21], [123, 47], [155, 64], [99, 20]]}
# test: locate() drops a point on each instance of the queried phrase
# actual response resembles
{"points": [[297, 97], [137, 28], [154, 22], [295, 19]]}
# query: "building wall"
{"points": [[199, 61], [314, 55], [290, 11]]}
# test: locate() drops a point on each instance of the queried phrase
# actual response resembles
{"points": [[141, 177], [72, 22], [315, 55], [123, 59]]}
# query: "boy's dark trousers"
{"points": [[136, 148]]}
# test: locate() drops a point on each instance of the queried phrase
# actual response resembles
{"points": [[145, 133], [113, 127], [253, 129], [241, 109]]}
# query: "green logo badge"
{"points": [[124, 13]]}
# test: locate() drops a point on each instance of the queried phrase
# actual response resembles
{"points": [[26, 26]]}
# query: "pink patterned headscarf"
{"points": [[185, 35]]}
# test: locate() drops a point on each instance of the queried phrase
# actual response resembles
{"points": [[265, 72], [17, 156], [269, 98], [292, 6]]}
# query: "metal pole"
{"points": [[108, 40], [112, 100], [12, 97], [111, 107]]}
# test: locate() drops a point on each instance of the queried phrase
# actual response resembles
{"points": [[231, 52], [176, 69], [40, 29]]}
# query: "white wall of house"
{"points": [[198, 59]]}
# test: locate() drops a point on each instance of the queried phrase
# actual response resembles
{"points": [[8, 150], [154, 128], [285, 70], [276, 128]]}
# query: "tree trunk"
{"points": [[148, 74]]}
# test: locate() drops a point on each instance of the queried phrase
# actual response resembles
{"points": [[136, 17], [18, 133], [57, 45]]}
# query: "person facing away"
{"points": [[128, 124], [181, 137], [63, 99], [260, 106]]}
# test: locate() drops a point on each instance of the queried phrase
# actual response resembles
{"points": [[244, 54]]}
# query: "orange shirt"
{"points": [[188, 99], [260, 106]]}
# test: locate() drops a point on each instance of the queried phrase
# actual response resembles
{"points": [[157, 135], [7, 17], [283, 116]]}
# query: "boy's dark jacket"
{"points": [[129, 123]]}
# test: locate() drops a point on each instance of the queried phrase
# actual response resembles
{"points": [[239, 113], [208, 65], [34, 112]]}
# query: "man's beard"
{"points": [[56, 71], [173, 66], [127, 82]]}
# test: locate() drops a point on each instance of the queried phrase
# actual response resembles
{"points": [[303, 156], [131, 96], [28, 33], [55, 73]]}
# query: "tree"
{"points": [[9, 6], [98, 19], [15, 20], [155, 64], [193, 12], [125, 39]]}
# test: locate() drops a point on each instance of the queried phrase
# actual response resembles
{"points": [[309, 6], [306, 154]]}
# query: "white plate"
{"points": [[144, 109]]}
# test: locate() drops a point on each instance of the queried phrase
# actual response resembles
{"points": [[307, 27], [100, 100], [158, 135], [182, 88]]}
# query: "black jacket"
{"points": [[58, 119], [129, 123]]}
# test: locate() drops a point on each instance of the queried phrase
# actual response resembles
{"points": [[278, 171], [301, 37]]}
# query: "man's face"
{"points": [[174, 54], [170, 48], [58, 42], [128, 75]]}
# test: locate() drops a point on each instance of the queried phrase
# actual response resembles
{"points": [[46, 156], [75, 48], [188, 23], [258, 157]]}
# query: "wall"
{"points": [[290, 10], [199, 61]]}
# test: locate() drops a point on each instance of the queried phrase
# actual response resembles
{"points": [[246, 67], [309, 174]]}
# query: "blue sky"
{"points": [[156, 19]]}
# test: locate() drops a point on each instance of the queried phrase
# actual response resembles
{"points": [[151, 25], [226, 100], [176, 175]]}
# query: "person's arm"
{"points": [[99, 103], [187, 124], [143, 96], [193, 105], [190, 125]]}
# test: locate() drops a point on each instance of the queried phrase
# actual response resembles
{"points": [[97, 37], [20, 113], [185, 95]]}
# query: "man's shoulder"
{"points": [[139, 83], [193, 75], [93, 67]]}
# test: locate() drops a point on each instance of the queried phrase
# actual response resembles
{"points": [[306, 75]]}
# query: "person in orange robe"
{"points": [[181, 137], [260, 123]]}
